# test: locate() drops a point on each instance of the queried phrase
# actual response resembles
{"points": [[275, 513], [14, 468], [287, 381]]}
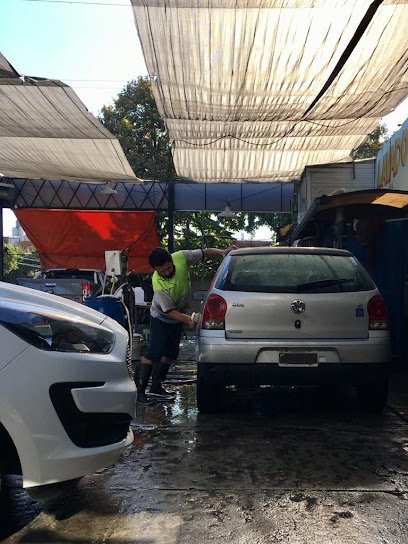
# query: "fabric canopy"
{"points": [[79, 239], [255, 90], [47, 133]]}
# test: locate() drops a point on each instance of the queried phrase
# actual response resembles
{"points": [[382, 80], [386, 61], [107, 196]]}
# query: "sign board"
{"points": [[391, 170]]}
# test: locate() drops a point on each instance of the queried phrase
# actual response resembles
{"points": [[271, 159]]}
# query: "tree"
{"points": [[204, 229], [11, 254], [19, 262], [135, 121], [373, 143]]}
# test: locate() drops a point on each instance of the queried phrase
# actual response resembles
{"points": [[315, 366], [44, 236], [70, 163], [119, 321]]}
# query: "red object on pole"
{"points": [[79, 239]]}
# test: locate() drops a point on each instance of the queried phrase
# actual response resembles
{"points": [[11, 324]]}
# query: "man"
{"points": [[172, 292]]}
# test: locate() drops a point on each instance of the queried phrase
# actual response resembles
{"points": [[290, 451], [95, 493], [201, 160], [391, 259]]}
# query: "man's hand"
{"points": [[190, 322], [230, 248], [183, 318], [213, 252]]}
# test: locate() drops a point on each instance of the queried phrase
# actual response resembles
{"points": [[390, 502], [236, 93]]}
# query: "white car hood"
{"points": [[46, 301]]}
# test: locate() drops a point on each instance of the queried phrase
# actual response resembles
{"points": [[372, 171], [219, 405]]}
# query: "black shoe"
{"points": [[158, 391], [142, 376], [160, 398], [159, 374], [144, 400]]}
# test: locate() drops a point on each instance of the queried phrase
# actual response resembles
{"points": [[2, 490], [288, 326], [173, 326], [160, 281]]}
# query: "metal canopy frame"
{"points": [[168, 196], [153, 195]]}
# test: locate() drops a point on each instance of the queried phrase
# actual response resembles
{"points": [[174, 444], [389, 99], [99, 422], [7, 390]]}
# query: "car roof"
{"points": [[291, 250], [72, 269]]}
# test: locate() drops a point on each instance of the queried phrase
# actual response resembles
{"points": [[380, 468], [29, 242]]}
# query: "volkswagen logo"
{"points": [[298, 306]]}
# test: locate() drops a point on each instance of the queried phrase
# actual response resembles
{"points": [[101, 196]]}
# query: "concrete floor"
{"points": [[287, 466]]}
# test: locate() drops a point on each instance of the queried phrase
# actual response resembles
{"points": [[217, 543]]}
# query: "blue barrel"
{"points": [[108, 305]]}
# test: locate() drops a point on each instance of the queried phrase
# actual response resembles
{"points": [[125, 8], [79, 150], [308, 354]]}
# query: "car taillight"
{"points": [[86, 290], [214, 313], [377, 314]]}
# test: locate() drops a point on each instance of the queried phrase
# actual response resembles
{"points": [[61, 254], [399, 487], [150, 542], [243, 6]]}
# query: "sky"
{"points": [[92, 45]]}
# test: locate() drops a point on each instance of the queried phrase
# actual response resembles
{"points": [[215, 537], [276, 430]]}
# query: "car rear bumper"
{"points": [[254, 374], [212, 347]]}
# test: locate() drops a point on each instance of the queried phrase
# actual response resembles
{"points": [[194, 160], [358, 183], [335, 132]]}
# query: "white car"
{"points": [[292, 316], [66, 396]]}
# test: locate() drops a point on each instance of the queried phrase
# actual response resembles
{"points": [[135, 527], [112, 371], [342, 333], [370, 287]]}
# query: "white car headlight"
{"points": [[51, 332]]}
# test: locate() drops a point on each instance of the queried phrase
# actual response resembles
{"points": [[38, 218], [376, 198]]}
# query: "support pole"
{"points": [[170, 205], [170, 223], [202, 247]]}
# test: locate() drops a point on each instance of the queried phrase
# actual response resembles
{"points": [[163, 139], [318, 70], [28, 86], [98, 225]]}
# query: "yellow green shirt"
{"points": [[174, 293]]}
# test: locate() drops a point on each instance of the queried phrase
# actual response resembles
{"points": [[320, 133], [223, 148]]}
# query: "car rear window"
{"points": [[294, 273], [70, 274]]}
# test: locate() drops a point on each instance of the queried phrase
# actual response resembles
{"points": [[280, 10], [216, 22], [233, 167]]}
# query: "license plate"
{"points": [[306, 359]]}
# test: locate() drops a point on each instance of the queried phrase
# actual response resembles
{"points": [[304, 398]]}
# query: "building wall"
{"points": [[392, 161], [384, 254], [328, 179]]}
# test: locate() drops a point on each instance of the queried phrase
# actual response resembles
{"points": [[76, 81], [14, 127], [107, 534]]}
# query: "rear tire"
{"points": [[209, 397], [373, 396]]}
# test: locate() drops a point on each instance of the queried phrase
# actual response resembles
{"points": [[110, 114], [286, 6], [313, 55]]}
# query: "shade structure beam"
{"points": [[153, 196]]}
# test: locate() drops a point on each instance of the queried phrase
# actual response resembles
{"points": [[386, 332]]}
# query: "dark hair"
{"points": [[158, 257]]}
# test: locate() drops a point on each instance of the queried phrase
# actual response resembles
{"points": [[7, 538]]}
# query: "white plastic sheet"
{"points": [[47, 133], [257, 89]]}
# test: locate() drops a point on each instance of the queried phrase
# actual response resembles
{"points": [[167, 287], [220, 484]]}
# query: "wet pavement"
{"points": [[294, 466]]}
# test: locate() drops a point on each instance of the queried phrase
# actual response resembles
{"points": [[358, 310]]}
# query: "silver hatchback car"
{"points": [[294, 316]]}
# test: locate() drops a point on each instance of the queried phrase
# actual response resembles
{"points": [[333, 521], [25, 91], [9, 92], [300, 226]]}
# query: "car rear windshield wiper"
{"points": [[323, 283]]}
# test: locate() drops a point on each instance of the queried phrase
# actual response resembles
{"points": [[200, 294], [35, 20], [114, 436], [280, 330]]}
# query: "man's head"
{"points": [[160, 259]]}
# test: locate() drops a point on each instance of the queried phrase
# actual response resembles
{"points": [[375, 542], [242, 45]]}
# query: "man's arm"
{"points": [[163, 302], [214, 252], [183, 318]]}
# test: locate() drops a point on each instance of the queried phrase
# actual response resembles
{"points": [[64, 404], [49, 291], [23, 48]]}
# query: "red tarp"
{"points": [[79, 239]]}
